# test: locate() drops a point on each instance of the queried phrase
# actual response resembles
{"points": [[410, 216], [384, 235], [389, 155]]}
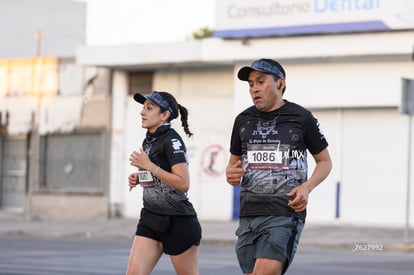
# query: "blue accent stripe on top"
{"points": [[304, 29]]}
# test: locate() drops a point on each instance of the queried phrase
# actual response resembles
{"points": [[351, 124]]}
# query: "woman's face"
{"points": [[152, 117]]}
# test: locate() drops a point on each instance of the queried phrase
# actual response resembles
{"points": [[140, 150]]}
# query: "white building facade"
{"points": [[351, 82], [345, 61]]}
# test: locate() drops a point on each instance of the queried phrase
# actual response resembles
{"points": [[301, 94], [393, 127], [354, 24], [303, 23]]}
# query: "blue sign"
{"points": [[248, 18]]}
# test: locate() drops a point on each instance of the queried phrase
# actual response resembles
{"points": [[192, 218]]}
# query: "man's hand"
{"points": [[321, 171], [234, 172], [300, 196]]}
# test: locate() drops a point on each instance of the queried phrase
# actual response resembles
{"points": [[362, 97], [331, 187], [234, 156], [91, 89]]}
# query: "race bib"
{"points": [[268, 156], [145, 178]]}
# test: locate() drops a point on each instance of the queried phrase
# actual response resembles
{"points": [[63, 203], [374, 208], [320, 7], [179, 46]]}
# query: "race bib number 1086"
{"points": [[267, 156]]}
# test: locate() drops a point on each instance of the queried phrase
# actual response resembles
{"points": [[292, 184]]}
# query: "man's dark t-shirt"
{"points": [[274, 149]]}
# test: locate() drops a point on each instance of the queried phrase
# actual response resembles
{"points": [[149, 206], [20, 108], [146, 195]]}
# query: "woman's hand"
{"points": [[141, 160], [133, 180]]}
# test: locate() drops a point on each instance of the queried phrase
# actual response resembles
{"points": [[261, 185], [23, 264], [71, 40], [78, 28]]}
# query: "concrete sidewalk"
{"points": [[333, 235]]}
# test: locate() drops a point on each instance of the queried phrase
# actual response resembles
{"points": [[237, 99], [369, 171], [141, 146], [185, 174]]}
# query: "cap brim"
{"points": [[139, 98], [244, 73]]}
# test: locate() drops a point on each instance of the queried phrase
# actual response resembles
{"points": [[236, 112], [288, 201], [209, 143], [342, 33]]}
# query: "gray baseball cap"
{"points": [[265, 65], [157, 98]]}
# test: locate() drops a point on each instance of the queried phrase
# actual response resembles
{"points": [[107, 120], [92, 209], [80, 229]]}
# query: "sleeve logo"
{"points": [[176, 144]]}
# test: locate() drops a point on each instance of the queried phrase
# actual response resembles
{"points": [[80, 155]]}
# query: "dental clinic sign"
{"points": [[259, 18]]}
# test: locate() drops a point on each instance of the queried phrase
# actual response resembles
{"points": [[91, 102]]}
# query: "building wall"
{"points": [[365, 83], [351, 82], [67, 206], [357, 106], [45, 95], [369, 153], [375, 168]]}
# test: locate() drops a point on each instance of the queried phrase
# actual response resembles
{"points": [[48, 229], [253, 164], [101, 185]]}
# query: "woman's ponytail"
{"points": [[184, 119]]}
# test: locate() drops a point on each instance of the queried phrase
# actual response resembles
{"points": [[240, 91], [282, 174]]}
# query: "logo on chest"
{"points": [[265, 128]]}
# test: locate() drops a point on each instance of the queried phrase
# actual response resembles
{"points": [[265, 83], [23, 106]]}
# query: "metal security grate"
{"points": [[13, 173], [74, 162]]}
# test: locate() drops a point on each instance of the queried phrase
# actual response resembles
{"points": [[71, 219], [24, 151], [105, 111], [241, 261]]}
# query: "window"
{"points": [[140, 82], [73, 162]]}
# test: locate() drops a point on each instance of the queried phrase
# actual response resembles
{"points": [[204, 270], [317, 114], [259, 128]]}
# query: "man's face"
{"points": [[264, 91]]}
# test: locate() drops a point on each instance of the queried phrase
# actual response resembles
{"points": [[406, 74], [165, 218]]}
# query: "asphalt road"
{"points": [[29, 255]]}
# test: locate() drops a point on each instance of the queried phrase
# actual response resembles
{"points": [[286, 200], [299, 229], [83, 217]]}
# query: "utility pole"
{"points": [[38, 38], [407, 107], [34, 154]]}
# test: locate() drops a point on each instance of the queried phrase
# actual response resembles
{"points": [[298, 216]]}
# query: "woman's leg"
{"points": [[144, 255], [186, 263]]}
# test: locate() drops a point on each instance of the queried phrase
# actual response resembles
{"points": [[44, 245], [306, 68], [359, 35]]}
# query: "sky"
{"points": [[120, 22]]}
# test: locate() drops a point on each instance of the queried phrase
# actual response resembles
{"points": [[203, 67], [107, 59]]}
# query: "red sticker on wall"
{"points": [[213, 161]]}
